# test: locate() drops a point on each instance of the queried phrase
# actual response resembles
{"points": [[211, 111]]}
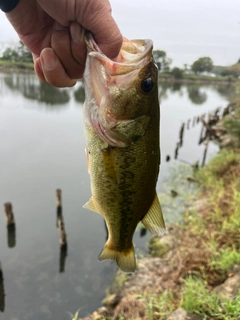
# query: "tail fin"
{"points": [[125, 260]]}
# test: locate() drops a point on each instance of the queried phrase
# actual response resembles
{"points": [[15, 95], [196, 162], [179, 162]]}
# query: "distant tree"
{"points": [[177, 73], [161, 60], [24, 54], [17, 54], [238, 61], [204, 64]]}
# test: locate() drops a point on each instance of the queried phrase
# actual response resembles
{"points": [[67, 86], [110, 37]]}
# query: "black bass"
{"points": [[121, 120]]}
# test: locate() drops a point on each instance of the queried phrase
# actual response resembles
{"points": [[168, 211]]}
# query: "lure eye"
{"points": [[147, 85]]}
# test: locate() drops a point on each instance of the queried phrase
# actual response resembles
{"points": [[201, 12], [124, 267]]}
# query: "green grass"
{"points": [[225, 259], [20, 65], [232, 124], [196, 298], [158, 306]]}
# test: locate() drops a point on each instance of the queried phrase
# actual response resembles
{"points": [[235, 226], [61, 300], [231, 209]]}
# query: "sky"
{"points": [[185, 29]]}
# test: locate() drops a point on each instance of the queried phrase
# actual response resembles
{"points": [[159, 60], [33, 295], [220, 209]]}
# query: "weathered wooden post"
{"points": [[168, 158], [59, 197], [176, 150], [9, 213], [181, 134], [2, 292], [11, 227], [205, 150]]}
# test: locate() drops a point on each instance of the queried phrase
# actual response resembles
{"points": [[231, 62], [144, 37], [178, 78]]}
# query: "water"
{"points": [[42, 149]]}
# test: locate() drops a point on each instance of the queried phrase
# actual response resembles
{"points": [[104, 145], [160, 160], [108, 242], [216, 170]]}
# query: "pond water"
{"points": [[42, 149]]}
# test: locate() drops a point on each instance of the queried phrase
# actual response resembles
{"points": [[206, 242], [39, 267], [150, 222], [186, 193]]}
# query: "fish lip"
{"points": [[143, 49]]}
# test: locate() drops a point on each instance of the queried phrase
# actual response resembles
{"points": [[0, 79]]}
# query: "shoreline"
{"points": [[167, 78], [189, 254]]}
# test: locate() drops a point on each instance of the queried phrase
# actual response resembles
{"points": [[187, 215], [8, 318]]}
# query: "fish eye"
{"points": [[147, 85]]}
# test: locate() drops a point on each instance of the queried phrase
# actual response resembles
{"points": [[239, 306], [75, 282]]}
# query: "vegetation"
{"points": [[177, 73], [197, 298], [232, 124], [17, 57], [18, 54], [161, 60], [204, 64]]}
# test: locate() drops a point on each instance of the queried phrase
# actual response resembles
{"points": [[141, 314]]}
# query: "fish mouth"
{"points": [[133, 55]]}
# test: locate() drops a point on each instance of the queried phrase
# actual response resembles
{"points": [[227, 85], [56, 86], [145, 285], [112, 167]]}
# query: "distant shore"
{"points": [[8, 67], [201, 79], [16, 67]]}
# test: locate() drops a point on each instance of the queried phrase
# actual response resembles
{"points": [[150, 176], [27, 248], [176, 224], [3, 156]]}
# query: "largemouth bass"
{"points": [[121, 121]]}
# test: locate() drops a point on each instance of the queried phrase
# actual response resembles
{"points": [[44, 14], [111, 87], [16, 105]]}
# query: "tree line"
{"points": [[203, 65]]}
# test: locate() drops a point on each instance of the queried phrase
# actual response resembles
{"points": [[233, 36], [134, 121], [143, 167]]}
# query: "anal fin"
{"points": [[154, 220]]}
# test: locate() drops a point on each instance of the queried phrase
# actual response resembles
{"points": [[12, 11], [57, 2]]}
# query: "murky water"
{"points": [[42, 149]]}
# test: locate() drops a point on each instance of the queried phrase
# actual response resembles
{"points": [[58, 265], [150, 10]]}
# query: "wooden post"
{"points": [[181, 134], [9, 213], [176, 151], [59, 197], [11, 226], [2, 292], [205, 150]]}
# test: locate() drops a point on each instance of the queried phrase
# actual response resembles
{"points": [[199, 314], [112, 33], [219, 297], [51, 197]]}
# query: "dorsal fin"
{"points": [[153, 220]]}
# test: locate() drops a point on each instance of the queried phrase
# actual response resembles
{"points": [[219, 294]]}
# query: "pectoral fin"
{"points": [[130, 131], [90, 205], [153, 220]]}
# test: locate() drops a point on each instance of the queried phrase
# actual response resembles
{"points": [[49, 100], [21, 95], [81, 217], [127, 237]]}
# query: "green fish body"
{"points": [[121, 120]]}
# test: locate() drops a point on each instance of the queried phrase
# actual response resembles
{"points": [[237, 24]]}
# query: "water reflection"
{"points": [[31, 88], [62, 232], [11, 226], [196, 95], [2, 291], [41, 159], [79, 94]]}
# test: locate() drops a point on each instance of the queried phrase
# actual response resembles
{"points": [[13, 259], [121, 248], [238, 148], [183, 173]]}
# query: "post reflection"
{"points": [[11, 226], [62, 232], [2, 291]]}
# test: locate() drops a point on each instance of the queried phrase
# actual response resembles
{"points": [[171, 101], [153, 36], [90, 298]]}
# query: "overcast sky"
{"points": [[185, 29]]}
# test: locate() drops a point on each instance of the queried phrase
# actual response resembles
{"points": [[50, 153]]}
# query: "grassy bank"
{"points": [[18, 67], [201, 79], [187, 267]]}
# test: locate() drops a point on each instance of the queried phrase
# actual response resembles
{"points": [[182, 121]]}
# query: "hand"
{"points": [[53, 30]]}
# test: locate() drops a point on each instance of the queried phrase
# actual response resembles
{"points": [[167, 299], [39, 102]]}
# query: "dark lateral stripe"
{"points": [[8, 5]]}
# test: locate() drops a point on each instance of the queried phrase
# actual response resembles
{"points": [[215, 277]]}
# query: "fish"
{"points": [[121, 123]]}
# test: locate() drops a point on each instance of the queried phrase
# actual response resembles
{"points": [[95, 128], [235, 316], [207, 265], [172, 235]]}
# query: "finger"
{"points": [[78, 46], [38, 70], [53, 70], [98, 19], [93, 15], [61, 44]]}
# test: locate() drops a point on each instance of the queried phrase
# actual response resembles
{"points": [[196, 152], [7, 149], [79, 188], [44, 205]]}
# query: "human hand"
{"points": [[53, 30]]}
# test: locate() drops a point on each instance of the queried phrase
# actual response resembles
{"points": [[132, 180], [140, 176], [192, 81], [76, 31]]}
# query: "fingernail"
{"points": [[76, 32], [49, 59]]}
